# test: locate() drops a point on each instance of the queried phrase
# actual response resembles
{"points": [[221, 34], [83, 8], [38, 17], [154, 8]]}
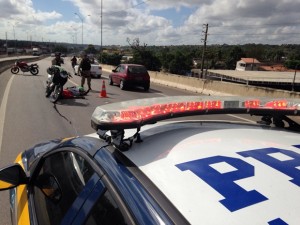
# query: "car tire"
{"points": [[146, 87], [110, 82], [48, 91], [122, 85]]}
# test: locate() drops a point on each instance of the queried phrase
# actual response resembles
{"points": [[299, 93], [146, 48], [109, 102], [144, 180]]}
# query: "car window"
{"points": [[70, 174], [118, 69], [137, 69], [122, 69], [106, 212]]}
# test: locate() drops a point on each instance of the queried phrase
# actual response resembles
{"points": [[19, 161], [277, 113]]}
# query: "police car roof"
{"points": [[217, 173]]}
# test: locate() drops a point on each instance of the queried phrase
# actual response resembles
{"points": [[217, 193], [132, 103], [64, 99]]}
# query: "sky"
{"points": [[153, 22]]}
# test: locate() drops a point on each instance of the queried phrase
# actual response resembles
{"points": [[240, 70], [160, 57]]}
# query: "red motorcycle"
{"points": [[24, 67]]}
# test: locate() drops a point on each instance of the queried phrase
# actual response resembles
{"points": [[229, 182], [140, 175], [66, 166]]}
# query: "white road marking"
{"points": [[3, 108], [73, 82], [241, 118], [45, 83]]}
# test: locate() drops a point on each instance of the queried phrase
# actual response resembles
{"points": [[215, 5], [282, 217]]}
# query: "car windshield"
{"points": [[137, 69]]}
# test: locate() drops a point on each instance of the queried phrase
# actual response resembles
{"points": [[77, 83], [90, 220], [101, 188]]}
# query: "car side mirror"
{"points": [[12, 176], [49, 185], [114, 71]]}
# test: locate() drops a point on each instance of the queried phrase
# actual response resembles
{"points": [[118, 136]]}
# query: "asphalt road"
{"points": [[28, 118]]}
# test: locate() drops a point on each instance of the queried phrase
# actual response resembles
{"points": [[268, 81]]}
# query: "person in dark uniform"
{"points": [[57, 61], [74, 62], [85, 68]]}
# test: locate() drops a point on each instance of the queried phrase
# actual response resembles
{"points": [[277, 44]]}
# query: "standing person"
{"points": [[85, 68], [57, 61], [74, 62]]}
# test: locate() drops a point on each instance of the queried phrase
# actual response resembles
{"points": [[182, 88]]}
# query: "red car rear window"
{"points": [[137, 69]]}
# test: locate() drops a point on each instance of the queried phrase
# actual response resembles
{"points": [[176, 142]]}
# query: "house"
{"points": [[197, 63], [247, 64], [126, 58]]}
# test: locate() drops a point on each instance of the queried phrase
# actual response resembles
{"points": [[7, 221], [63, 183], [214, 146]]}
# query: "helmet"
{"points": [[63, 73], [57, 54], [80, 89]]}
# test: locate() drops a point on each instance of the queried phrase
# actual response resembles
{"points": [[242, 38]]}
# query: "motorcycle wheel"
{"points": [[34, 71], [48, 91], [14, 70], [56, 94]]}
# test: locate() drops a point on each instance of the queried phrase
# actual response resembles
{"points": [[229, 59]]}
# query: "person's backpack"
{"points": [[85, 64]]}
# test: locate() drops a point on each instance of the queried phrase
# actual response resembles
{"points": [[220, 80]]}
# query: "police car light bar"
{"points": [[136, 113]]}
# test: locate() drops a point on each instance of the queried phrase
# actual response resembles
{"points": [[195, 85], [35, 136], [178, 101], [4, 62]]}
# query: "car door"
{"points": [[62, 184], [119, 74], [104, 206]]}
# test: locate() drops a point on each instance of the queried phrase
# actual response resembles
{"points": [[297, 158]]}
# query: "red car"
{"points": [[129, 75]]}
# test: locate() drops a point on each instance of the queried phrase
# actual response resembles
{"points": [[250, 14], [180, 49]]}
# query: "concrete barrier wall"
{"points": [[214, 87]]}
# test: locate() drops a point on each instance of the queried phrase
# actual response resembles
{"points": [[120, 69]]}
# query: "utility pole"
{"points": [[101, 51], [204, 48], [6, 43], [293, 84]]}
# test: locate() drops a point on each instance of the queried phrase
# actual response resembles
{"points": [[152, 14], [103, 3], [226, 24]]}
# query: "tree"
{"points": [[235, 54], [60, 48], [110, 59], [292, 64], [141, 55], [90, 49], [177, 62]]}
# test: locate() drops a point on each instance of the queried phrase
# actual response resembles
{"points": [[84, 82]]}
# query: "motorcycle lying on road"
{"points": [[24, 67], [57, 78]]}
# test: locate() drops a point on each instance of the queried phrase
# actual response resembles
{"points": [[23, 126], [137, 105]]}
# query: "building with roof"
{"points": [[247, 64]]}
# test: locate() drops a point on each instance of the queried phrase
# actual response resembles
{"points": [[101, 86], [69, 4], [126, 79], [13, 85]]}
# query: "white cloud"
{"points": [[230, 21]]}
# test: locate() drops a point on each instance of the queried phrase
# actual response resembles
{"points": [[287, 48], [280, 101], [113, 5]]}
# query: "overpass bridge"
{"points": [[272, 79]]}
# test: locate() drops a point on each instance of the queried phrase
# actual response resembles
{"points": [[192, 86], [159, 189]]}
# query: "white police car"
{"points": [[96, 69], [138, 170]]}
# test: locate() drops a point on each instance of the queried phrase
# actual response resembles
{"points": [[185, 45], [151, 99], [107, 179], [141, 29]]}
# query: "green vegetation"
{"points": [[292, 64], [179, 59], [60, 48]]}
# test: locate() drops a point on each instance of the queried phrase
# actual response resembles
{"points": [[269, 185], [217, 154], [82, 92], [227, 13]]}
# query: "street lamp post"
{"points": [[81, 18], [101, 34], [75, 34], [13, 25], [6, 43], [81, 27]]}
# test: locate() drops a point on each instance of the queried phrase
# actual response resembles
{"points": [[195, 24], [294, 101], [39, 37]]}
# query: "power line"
{"points": [[141, 3], [247, 34], [257, 25]]}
